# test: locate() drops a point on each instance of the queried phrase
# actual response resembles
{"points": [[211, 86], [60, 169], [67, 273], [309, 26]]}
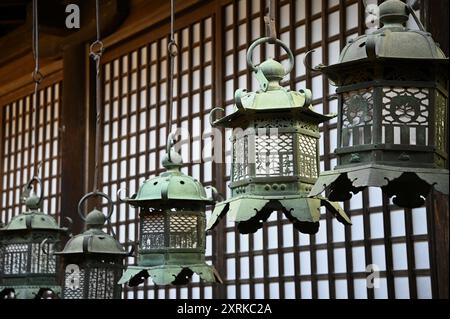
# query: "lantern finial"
{"points": [[393, 13], [95, 219]]}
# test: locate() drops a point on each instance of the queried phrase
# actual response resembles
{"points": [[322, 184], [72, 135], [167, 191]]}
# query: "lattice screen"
{"points": [[277, 261], [17, 155]]}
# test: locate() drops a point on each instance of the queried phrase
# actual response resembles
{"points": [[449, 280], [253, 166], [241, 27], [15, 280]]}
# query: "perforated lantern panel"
{"points": [[181, 231], [14, 259], [405, 116]]}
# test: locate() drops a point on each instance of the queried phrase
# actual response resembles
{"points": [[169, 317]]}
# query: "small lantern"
{"points": [[172, 228], [93, 260], [28, 269], [275, 159], [393, 101]]}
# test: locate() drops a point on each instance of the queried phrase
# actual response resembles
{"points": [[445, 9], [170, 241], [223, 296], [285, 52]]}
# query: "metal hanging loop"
{"points": [[272, 41], [96, 49], [95, 194]]}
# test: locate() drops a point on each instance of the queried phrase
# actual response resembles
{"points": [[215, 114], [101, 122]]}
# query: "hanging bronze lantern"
{"points": [[172, 228], [28, 269], [275, 152], [393, 100], [93, 260]]}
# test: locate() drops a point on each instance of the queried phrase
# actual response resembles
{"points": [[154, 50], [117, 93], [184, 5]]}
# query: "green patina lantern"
{"points": [[172, 228], [28, 269], [393, 100], [275, 152], [93, 260]]}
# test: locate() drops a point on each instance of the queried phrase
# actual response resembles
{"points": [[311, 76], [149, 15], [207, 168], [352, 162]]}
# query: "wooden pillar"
{"points": [[73, 136], [437, 23]]}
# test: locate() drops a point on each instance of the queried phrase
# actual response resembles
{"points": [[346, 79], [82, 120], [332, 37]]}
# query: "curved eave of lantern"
{"points": [[409, 185], [30, 292], [97, 242], [251, 211], [169, 274], [33, 221], [259, 103]]}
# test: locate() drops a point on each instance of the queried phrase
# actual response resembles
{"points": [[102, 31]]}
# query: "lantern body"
{"points": [[393, 100], [28, 269], [93, 263], [275, 154], [172, 229]]}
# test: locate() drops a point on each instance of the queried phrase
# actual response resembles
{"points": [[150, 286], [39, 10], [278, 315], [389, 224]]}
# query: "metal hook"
{"points": [[212, 118], [216, 195], [44, 250], [118, 195], [133, 249], [308, 65]]}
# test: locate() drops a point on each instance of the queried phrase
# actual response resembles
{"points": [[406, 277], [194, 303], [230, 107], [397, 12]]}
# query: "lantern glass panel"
{"points": [[357, 118], [405, 116]]}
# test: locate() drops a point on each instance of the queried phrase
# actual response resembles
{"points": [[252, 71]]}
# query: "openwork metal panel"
{"points": [[277, 261], [134, 133], [18, 156], [405, 116], [357, 118]]}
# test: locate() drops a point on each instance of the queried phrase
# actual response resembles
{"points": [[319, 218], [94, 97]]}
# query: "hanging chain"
{"points": [[172, 50], [37, 78], [271, 30], [96, 51]]}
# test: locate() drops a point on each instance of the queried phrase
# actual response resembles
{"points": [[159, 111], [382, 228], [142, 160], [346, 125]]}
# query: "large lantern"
{"points": [[172, 228], [392, 128], [28, 269], [275, 152], [93, 260]]}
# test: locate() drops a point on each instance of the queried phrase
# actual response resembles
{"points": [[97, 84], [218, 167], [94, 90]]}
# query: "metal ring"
{"points": [[39, 181], [172, 48], [96, 48], [271, 41], [212, 119], [118, 195], [93, 194], [37, 76]]}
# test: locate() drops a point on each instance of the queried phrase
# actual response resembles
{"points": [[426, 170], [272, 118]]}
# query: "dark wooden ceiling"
{"points": [[13, 14]]}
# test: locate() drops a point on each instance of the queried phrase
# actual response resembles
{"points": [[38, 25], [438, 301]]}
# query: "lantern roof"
{"points": [[393, 39], [33, 218], [172, 185], [94, 239]]}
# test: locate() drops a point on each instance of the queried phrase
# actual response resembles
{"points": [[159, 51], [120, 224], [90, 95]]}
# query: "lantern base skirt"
{"points": [[250, 212], [408, 186], [169, 274], [29, 292]]}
